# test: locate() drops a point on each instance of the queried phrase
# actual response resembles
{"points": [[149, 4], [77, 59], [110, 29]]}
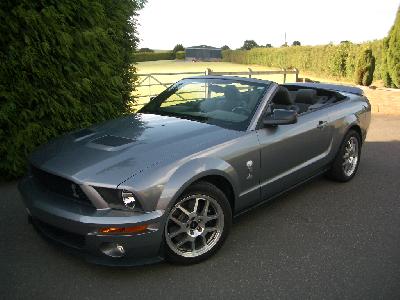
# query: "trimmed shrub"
{"points": [[151, 56], [180, 55], [336, 61], [365, 68], [391, 56], [63, 65]]}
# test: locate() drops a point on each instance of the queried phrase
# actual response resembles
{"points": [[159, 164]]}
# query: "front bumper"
{"points": [[77, 227]]}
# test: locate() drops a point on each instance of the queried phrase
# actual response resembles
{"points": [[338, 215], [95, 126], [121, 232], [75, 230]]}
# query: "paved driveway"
{"points": [[323, 240]]}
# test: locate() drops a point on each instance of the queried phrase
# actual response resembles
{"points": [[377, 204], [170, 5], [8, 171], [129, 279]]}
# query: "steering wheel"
{"points": [[241, 110]]}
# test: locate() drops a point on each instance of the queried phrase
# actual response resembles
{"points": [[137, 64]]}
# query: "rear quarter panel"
{"points": [[353, 111]]}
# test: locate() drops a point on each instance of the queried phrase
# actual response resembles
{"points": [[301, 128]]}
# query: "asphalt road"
{"points": [[322, 240]]}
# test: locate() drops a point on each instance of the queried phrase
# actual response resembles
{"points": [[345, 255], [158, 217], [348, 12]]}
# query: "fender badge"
{"points": [[249, 166]]}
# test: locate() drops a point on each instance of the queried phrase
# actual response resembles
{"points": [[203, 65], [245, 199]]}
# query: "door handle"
{"points": [[322, 124]]}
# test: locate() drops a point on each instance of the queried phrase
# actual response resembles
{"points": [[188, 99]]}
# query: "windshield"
{"points": [[223, 102]]}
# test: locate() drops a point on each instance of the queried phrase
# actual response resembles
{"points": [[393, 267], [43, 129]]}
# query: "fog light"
{"points": [[133, 229], [128, 199], [112, 249]]}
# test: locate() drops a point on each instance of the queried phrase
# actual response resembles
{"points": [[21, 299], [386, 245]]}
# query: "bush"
{"points": [[63, 65], [336, 61], [391, 56], [151, 56], [365, 68], [180, 55]]}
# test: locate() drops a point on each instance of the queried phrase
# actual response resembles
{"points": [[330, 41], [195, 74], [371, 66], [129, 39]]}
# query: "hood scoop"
{"points": [[110, 142]]}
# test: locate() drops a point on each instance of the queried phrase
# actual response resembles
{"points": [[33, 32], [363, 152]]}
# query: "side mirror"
{"points": [[280, 117], [152, 97]]}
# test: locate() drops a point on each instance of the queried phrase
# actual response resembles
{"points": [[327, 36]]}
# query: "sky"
{"points": [[165, 23]]}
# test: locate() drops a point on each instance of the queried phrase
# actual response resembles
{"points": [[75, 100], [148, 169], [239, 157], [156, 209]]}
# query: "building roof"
{"points": [[203, 47]]}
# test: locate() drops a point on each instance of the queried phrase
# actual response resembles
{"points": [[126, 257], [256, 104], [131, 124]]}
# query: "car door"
{"points": [[291, 153]]}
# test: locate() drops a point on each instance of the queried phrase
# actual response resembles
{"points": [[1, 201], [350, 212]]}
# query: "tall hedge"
{"points": [[391, 56], [338, 61], [364, 72], [63, 65], [152, 56]]}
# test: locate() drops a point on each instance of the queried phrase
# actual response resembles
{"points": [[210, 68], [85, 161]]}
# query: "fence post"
{"points": [[284, 75], [250, 71], [297, 74]]}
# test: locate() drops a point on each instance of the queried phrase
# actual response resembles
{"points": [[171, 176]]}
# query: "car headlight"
{"points": [[119, 199]]}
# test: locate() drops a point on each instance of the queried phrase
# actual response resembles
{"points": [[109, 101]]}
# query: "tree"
{"points": [[63, 65], [225, 47], [296, 43], [365, 66], [391, 56], [147, 50], [178, 47], [249, 44], [268, 46]]}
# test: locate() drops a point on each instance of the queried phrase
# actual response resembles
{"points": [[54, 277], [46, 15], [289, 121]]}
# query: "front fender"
{"points": [[192, 171]]}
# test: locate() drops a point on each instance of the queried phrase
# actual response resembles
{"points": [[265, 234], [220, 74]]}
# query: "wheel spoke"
{"points": [[193, 245], [176, 221], [205, 209], [184, 210], [196, 205], [210, 218], [183, 241], [176, 233], [209, 229]]}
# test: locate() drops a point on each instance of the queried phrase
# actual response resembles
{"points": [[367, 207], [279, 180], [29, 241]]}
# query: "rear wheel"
{"points": [[197, 224], [347, 160]]}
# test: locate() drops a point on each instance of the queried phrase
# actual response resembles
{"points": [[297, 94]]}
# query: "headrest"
{"points": [[283, 97], [231, 93], [306, 96]]}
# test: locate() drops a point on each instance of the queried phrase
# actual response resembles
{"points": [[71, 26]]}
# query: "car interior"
{"points": [[303, 100]]}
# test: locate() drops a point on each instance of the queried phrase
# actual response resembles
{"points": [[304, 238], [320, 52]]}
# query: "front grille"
{"points": [[60, 185], [67, 238]]}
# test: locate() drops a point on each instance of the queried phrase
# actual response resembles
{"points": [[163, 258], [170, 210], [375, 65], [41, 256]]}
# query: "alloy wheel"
{"points": [[194, 225], [350, 157]]}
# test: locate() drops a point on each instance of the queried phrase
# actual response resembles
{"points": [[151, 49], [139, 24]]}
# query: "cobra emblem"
{"points": [[249, 166]]}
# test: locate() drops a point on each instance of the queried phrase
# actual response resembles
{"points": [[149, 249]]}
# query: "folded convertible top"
{"points": [[328, 86]]}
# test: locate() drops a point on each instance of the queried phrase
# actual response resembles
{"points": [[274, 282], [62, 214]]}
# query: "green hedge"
{"points": [[391, 56], [180, 55], [329, 60], [63, 65], [151, 56]]}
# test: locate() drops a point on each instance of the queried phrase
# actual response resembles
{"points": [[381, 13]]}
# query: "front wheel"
{"points": [[347, 160], [197, 224]]}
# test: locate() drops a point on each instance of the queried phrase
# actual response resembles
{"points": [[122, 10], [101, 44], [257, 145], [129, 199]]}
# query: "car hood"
{"points": [[113, 151]]}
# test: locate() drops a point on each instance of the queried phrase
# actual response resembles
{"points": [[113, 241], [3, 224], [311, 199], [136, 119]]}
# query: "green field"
{"points": [[174, 66]]}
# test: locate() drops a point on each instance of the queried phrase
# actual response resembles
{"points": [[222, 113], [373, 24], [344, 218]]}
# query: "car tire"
{"points": [[347, 160], [197, 224]]}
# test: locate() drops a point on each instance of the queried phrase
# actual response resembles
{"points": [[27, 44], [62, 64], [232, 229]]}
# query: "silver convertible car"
{"points": [[165, 183]]}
